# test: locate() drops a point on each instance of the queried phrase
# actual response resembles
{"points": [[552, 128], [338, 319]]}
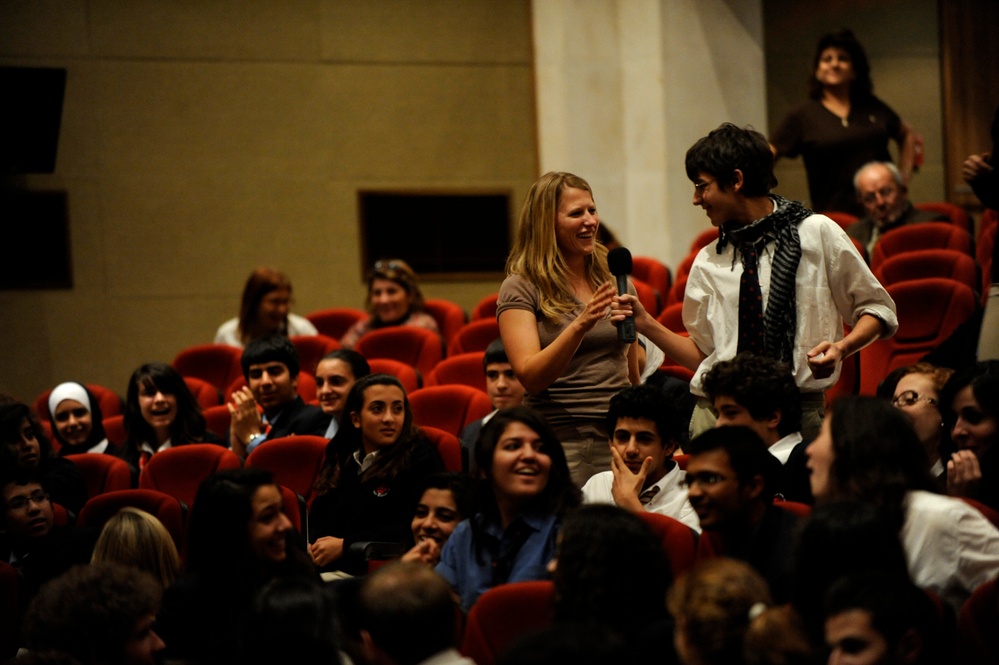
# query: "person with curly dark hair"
{"points": [[760, 393], [98, 614]]}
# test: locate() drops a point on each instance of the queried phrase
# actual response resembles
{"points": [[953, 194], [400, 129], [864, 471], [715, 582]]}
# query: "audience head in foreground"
{"points": [[99, 614]]}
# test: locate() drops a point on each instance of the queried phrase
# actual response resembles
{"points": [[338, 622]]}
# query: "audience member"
{"points": [[29, 539], [970, 405], [23, 444], [367, 488], [238, 540], [644, 430], [292, 620], [841, 537], [77, 421], [525, 490], [270, 367], [842, 126], [394, 299], [502, 386], [611, 572], [407, 616], [133, 537], [812, 279], [552, 313], [264, 311], [879, 619], [917, 394], [98, 615], [445, 500], [980, 173], [160, 412], [723, 617], [731, 479], [882, 194], [868, 451], [336, 373], [759, 392]]}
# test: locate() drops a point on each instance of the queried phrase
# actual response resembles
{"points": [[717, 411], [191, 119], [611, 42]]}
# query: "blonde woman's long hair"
{"points": [[133, 537], [535, 254]]}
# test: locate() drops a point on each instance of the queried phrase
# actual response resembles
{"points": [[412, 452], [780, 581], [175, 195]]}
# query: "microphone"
{"points": [[619, 262]]}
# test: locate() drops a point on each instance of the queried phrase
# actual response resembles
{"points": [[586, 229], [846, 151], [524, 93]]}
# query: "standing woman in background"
{"points": [[553, 313], [394, 299], [264, 311], [842, 126]]}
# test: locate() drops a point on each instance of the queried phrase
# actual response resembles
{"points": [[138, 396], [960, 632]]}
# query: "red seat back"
{"points": [[447, 445], [923, 263], [205, 394], [450, 317], [485, 308], [335, 321], [648, 296], [465, 369], [180, 470], [679, 541], [449, 407], [217, 419], [408, 375], [957, 215], [474, 336], [653, 272], [167, 509], [114, 429], [311, 348], [414, 346], [218, 364], [102, 473], [504, 614], [294, 460], [925, 235], [928, 312]]}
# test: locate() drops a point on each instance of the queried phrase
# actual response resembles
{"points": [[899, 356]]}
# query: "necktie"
{"points": [[751, 336], [645, 497]]}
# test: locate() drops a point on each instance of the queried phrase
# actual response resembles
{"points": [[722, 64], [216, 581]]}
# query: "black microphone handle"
{"points": [[626, 328]]}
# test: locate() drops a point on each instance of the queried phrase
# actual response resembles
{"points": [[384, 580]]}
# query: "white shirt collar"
{"points": [[783, 447]]}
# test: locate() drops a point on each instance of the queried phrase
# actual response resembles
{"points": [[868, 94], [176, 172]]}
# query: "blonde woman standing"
{"points": [[553, 313]]}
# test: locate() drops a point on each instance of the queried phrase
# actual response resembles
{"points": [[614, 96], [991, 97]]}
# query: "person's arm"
{"points": [[681, 349], [538, 368], [825, 356], [907, 141]]}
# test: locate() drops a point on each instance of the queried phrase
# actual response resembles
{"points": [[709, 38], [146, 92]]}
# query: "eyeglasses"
{"points": [[872, 197], [699, 187], [706, 479], [21, 502], [910, 397]]}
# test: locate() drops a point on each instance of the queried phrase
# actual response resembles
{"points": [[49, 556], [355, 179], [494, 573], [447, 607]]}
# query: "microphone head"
{"points": [[619, 261]]}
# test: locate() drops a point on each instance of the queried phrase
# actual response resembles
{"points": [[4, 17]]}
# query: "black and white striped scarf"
{"points": [[780, 320]]}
